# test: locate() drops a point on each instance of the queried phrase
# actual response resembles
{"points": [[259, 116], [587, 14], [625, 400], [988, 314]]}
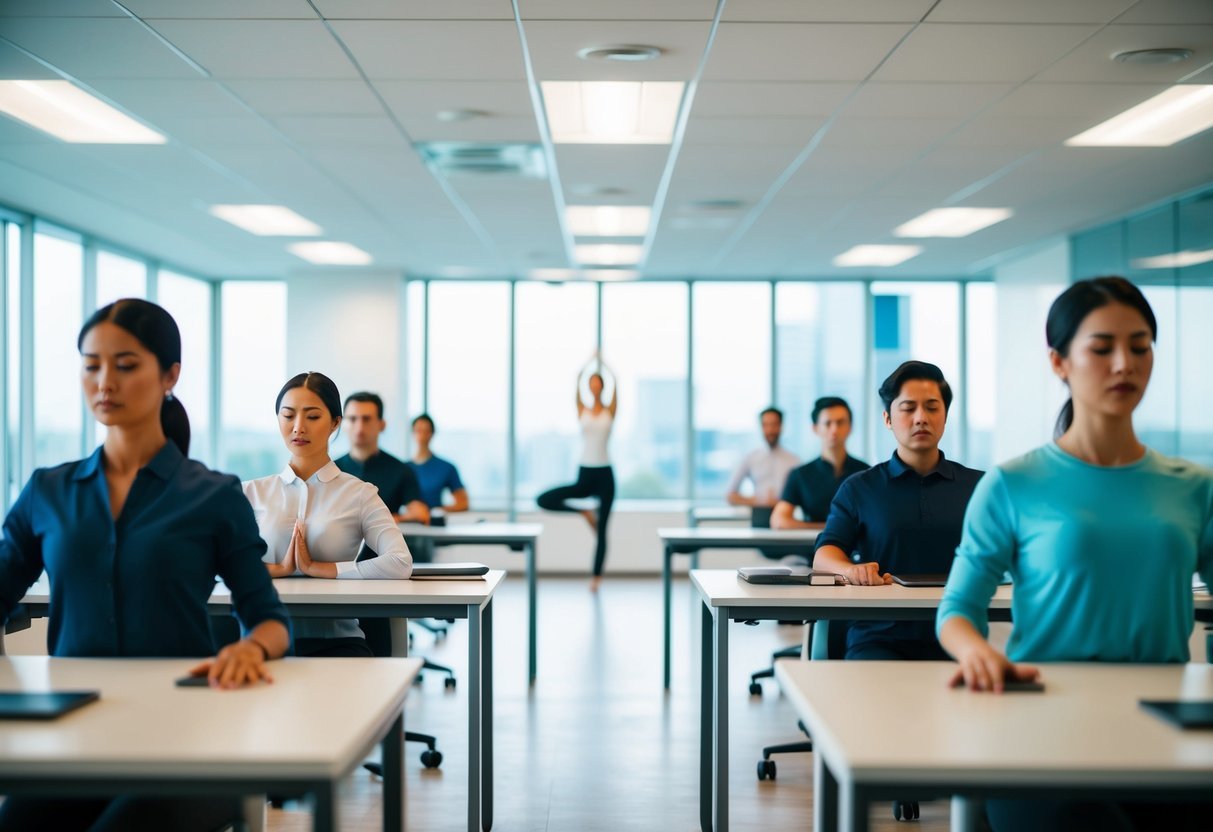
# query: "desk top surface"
{"points": [[320, 591], [1086, 728], [735, 536], [143, 725], [476, 532], [722, 588], [708, 514]]}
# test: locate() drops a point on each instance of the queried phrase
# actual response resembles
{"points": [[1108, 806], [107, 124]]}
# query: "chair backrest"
{"points": [[760, 517], [829, 640]]}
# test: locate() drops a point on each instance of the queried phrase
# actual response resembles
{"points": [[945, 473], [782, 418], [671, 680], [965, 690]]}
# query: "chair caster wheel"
{"points": [[374, 768], [766, 770], [905, 810], [755, 689], [449, 683], [431, 758], [418, 679]]}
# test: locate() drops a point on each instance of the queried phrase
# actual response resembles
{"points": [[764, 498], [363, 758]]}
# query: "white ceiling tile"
{"points": [[1092, 61], [728, 172], [15, 64], [751, 131], [297, 49], [427, 98], [13, 131], [883, 132], [60, 8], [634, 168], [152, 100], [292, 97], [828, 11], [909, 100], [768, 98], [221, 9], [434, 49], [1169, 11], [980, 53], [617, 10], [1028, 11], [554, 46], [1093, 102], [89, 48], [800, 51], [416, 9], [204, 131], [348, 131], [492, 130]]}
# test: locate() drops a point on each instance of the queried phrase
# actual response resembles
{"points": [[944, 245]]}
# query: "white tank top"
{"points": [[595, 431]]}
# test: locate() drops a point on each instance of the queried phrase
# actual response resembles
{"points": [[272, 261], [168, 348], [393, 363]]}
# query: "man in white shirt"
{"points": [[766, 468]]}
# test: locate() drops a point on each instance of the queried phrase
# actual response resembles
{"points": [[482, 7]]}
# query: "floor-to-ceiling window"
{"points": [[253, 355], [188, 300], [58, 309], [119, 277]]}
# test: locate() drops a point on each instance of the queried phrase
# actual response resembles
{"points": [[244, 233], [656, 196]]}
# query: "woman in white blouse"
{"points": [[314, 518]]}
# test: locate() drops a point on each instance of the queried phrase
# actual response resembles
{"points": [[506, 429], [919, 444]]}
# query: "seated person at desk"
{"points": [[396, 481], [1101, 536], [314, 517], [903, 515], [812, 486], [766, 468], [435, 474], [132, 539]]}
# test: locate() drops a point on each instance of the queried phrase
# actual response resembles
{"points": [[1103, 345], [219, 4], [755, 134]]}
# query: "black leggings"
{"points": [[591, 482]]}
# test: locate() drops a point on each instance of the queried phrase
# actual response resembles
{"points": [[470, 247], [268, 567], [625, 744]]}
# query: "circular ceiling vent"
{"points": [[629, 53], [1152, 57]]}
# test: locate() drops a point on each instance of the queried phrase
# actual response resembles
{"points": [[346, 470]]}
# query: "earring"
{"points": [[168, 397]]}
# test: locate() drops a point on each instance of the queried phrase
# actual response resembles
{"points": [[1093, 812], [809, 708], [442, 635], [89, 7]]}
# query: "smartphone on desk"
{"points": [[193, 682]]}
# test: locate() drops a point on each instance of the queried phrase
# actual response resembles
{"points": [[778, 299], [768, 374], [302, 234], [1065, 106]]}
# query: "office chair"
{"points": [[824, 640], [379, 639], [760, 518]]}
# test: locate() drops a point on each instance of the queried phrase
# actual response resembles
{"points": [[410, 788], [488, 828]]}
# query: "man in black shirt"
{"points": [[812, 486], [397, 484]]}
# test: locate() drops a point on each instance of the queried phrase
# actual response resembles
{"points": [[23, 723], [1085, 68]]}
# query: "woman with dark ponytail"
{"points": [[131, 539], [1100, 534]]}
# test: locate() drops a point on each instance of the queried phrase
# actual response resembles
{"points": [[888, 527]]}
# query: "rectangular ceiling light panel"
{"points": [[612, 112], [71, 114], [330, 253], [877, 255], [267, 220], [1169, 117], [608, 220], [952, 222]]}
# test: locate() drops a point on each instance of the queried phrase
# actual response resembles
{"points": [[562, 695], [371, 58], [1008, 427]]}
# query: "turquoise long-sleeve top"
{"points": [[1101, 558]]}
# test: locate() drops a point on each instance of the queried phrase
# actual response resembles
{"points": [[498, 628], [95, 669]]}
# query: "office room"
{"points": [[408, 403]]}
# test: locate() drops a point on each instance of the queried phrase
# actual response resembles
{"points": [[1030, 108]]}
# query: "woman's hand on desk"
{"points": [[982, 668], [304, 558], [240, 663], [867, 574]]}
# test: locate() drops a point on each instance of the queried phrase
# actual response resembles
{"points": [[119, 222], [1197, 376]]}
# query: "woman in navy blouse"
{"points": [[131, 540]]}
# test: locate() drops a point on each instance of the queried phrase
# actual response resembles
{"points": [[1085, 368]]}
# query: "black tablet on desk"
{"points": [[449, 571], [924, 579], [1191, 714], [49, 705]]}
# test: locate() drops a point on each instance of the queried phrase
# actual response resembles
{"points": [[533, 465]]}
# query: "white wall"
{"points": [[1028, 394], [351, 328]]}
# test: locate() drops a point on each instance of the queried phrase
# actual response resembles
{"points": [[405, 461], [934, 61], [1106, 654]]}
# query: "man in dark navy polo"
{"points": [[901, 516], [397, 484], [812, 486]]}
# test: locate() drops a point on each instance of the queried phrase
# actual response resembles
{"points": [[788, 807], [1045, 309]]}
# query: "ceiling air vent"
{"points": [[453, 158]]}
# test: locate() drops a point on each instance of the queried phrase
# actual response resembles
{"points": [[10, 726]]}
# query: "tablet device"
{"points": [[924, 579], [1187, 714], [50, 705], [775, 574], [449, 571]]}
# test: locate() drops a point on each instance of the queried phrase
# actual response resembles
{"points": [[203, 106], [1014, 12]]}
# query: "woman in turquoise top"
{"points": [[1100, 534]]}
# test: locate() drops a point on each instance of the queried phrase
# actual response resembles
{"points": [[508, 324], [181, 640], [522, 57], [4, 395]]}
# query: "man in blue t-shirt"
{"points": [[812, 486], [434, 474], [902, 516]]}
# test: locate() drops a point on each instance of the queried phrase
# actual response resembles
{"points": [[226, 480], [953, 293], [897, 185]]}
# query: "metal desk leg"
{"points": [[399, 628], [965, 812], [825, 795], [392, 748], [853, 808], [666, 591], [486, 742], [705, 718], [720, 731], [474, 689], [532, 612], [695, 559], [324, 805]]}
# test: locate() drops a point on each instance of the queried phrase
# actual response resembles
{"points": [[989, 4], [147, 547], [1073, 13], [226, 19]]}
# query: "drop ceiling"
{"points": [[811, 126]]}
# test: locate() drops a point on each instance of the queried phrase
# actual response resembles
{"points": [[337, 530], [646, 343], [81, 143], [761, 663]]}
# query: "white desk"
{"points": [[518, 537], [400, 600], [719, 514], [727, 598], [1084, 737], [689, 541], [146, 736]]}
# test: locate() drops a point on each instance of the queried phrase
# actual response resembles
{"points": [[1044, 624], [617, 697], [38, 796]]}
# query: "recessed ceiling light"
{"points": [[553, 274], [608, 220], [330, 253], [459, 115], [608, 275], [267, 220], [630, 53], [71, 114], [877, 255], [612, 112], [952, 222], [608, 254], [1178, 260], [1152, 56], [1171, 116]]}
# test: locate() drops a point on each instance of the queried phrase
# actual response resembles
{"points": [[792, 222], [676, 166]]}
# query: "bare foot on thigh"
{"points": [[591, 518]]}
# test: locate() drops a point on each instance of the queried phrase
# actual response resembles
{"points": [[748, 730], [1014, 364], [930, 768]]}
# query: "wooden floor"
{"points": [[596, 744]]}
